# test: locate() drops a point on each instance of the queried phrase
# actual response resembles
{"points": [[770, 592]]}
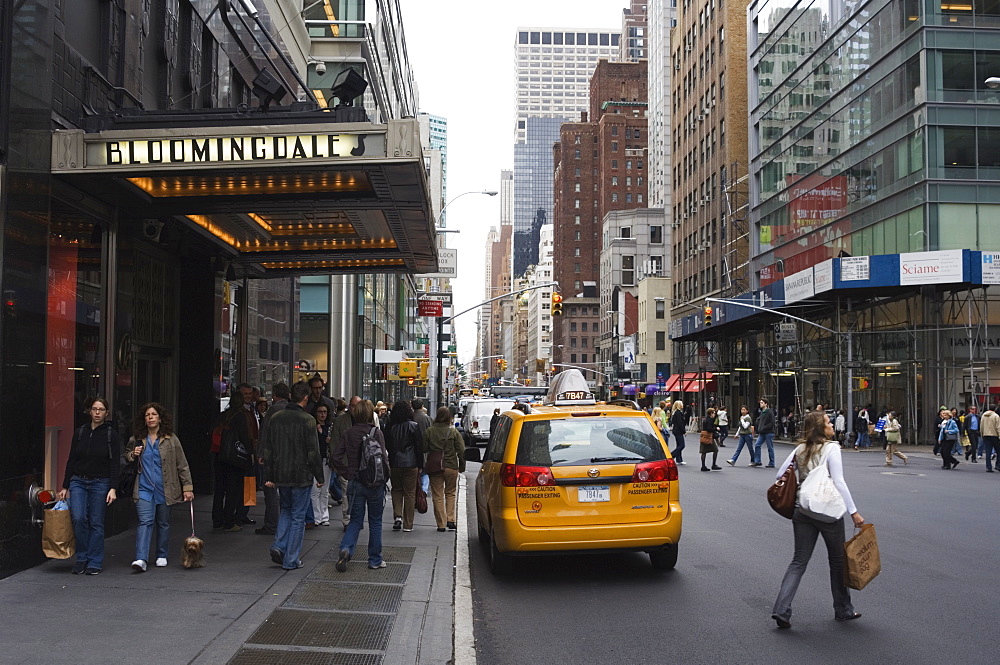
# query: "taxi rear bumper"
{"points": [[514, 538]]}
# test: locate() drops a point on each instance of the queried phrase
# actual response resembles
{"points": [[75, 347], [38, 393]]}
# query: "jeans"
{"points": [[87, 503], [761, 440], [149, 512], [335, 487], [864, 440], [991, 445], [745, 440], [372, 498], [678, 453], [806, 530], [291, 524], [345, 502]]}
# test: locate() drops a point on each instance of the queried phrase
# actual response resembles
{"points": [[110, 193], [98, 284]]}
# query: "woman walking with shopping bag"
{"points": [[817, 454], [892, 439]]}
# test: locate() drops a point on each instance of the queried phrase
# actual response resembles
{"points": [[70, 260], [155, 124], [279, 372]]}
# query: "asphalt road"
{"points": [[934, 602]]}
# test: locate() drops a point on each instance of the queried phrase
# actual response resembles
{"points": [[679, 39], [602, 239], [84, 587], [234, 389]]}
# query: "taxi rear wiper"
{"points": [[594, 460]]}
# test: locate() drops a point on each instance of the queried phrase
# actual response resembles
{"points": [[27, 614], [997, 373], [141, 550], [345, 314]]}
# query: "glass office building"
{"points": [[873, 139]]}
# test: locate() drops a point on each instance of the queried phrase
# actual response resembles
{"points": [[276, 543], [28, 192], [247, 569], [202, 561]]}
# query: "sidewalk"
{"points": [[241, 608]]}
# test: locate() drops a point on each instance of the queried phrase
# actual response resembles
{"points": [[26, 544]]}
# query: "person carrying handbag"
{"points": [[403, 442], [892, 439], [817, 454], [444, 458]]}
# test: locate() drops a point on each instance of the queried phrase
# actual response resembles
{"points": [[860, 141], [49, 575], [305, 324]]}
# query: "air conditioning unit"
{"points": [[677, 66], [700, 117], [706, 200], [685, 215], [687, 49]]}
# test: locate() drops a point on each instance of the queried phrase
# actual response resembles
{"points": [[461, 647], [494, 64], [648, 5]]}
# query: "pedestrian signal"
{"points": [[863, 383]]}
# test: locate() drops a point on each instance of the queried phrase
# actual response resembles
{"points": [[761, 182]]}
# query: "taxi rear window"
{"points": [[585, 441]]}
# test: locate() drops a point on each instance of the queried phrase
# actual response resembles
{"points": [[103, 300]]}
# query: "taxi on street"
{"points": [[577, 476]]}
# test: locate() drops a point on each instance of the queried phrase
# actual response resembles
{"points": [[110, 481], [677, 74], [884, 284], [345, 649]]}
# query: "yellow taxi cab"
{"points": [[575, 476]]}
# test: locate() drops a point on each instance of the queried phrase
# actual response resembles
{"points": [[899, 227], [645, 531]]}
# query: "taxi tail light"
{"points": [[655, 472], [512, 475]]}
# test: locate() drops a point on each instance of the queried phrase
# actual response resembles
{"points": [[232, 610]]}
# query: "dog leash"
{"points": [[192, 516]]}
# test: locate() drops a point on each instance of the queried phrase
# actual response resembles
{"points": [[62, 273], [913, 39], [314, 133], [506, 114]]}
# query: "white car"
{"points": [[476, 419]]}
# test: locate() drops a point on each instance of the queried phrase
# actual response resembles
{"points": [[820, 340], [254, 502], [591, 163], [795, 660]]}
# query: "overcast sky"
{"points": [[462, 54]]}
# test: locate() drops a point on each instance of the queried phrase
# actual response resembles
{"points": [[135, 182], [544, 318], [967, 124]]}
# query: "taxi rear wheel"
{"points": [[664, 559], [500, 563], [484, 535]]}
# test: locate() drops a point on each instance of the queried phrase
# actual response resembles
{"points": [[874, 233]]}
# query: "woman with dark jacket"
{"points": [[442, 437], [91, 473], [678, 425], [403, 442], [708, 425], [164, 479]]}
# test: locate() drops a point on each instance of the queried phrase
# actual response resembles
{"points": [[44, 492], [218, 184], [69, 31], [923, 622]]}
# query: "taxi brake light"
{"points": [[512, 475], [654, 472], [580, 414]]}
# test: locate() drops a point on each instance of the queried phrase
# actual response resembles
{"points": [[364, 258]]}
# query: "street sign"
{"points": [[852, 364], [447, 264], [430, 308], [702, 357], [423, 340], [443, 297], [786, 332]]}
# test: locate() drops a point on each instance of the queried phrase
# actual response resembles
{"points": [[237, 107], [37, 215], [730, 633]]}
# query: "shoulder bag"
{"points": [[706, 437], [781, 495], [819, 498], [128, 474]]}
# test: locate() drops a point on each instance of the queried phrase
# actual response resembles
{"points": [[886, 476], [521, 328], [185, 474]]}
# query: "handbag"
{"points": [[127, 477], [781, 495], [58, 541], [861, 558], [892, 436], [819, 498], [421, 501], [706, 437], [233, 452], [434, 461]]}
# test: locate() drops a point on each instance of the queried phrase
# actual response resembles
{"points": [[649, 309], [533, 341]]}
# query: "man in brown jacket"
{"points": [[989, 427]]}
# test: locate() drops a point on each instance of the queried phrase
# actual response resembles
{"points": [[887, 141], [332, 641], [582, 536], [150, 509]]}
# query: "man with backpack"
{"points": [[292, 462], [360, 457]]}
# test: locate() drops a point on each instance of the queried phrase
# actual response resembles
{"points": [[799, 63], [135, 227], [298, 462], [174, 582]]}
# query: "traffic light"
{"points": [[422, 373], [503, 365], [407, 368], [410, 381], [556, 309], [863, 383], [708, 315]]}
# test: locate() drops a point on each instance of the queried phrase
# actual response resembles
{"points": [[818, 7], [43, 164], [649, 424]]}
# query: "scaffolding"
{"points": [[736, 226]]}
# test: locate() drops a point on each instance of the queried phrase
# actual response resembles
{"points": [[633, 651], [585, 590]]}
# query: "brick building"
{"points": [[599, 167]]}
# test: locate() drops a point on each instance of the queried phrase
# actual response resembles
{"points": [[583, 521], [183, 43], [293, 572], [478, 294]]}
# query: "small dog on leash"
{"points": [[193, 557]]}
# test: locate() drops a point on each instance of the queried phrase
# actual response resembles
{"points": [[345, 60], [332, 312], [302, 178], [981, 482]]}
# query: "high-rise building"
{"points": [[434, 137], [506, 197], [634, 44], [599, 167], [662, 18], [553, 66], [709, 157]]}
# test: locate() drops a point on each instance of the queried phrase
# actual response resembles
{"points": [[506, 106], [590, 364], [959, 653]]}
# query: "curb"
{"points": [[465, 640]]}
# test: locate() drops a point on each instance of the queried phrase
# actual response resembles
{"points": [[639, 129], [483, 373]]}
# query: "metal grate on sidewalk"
{"points": [[274, 657], [368, 632], [346, 596]]}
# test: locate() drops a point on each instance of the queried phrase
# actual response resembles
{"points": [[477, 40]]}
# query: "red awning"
{"points": [[671, 384], [693, 382]]}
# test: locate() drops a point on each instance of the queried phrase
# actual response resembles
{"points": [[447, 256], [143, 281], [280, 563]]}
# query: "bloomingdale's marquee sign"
{"points": [[73, 150]]}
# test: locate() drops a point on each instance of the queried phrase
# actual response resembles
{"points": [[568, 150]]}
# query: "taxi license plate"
{"points": [[592, 493]]}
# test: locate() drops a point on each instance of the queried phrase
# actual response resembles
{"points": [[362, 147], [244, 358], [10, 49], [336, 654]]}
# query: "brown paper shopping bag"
{"points": [[862, 563], [249, 491], [58, 541]]}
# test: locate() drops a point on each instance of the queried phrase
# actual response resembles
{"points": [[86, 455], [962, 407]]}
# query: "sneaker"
{"points": [[731, 462], [452, 526], [397, 524], [381, 565], [323, 523], [407, 530], [233, 529], [683, 463], [277, 556], [704, 468], [139, 566], [754, 464], [93, 571], [296, 566], [769, 466], [161, 562], [79, 568], [345, 556]]}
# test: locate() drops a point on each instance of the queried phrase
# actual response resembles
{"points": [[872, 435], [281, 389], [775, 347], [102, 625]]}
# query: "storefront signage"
{"points": [[991, 268], [206, 150], [930, 267], [823, 276], [854, 269], [799, 286]]}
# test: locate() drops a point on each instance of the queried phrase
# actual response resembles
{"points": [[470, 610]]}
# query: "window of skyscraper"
{"points": [[522, 38], [614, 163], [536, 38], [546, 37], [557, 38], [605, 39], [591, 39]]}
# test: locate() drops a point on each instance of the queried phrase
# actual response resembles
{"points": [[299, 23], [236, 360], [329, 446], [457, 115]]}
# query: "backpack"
{"points": [[371, 467]]}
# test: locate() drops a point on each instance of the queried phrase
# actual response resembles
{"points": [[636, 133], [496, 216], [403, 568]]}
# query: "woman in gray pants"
{"points": [[817, 433]]}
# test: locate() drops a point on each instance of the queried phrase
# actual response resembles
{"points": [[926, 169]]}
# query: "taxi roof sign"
{"points": [[568, 387]]}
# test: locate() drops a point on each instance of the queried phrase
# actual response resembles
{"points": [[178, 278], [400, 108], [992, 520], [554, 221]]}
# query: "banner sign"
{"points": [[931, 267]]}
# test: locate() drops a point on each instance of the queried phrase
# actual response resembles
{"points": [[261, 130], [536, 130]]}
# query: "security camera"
{"points": [[151, 229], [321, 68], [993, 82]]}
